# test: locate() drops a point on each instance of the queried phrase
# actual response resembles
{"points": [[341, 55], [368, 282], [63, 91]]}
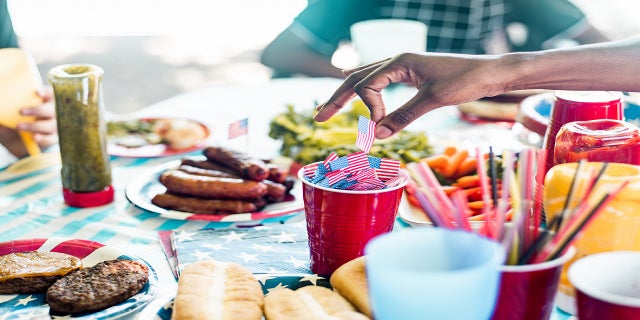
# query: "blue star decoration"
{"points": [[273, 248]]}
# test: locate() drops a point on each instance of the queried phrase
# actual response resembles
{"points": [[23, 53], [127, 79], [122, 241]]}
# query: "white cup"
{"points": [[379, 39]]}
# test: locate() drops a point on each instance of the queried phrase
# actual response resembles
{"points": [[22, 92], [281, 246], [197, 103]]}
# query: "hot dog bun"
{"points": [[350, 281], [310, 303], [211, 289]]}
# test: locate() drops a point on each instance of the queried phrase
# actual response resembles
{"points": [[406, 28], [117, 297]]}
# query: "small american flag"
{"points": [[366, 134], [239, 128], [388, 168]]}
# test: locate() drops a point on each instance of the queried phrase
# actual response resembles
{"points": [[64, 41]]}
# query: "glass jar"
{"points": [[598, 140], [86, 171]]}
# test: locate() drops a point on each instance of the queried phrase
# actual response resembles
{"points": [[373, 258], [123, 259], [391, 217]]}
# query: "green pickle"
{"points": [[81, 127]]}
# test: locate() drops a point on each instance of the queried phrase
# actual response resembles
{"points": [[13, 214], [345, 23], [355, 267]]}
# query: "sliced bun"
{"points": [[209, 290], [350, 281], [310, 303]]}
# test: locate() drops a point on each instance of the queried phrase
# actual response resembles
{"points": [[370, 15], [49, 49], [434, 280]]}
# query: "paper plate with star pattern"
{"points": [[34, 306], [162, 309]]}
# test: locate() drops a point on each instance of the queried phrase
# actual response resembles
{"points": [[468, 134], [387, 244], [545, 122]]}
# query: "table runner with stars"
{"points": [[272, 249]]}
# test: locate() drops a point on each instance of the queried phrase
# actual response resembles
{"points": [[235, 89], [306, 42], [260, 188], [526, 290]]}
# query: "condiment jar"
{"points": [[571, 106], [86, 171], [598, 140]]}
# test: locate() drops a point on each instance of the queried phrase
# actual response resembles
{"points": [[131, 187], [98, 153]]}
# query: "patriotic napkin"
{"points": [[273, 248]]}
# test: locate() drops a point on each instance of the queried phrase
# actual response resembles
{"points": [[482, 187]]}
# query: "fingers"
{"points": [[46, 127], [46, 140], [373, 64], [44, 111], [341, 96]]}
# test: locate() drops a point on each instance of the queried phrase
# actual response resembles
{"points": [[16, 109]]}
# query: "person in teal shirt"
{"points": [[466, 26]]}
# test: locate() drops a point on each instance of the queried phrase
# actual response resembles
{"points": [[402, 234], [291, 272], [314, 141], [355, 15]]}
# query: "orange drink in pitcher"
{"points": [[19, 82], [616, 227]]}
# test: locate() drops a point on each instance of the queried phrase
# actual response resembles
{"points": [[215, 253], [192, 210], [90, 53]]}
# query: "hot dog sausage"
{"points": [[206, 172], [179, 182], [199, 205], [250, 168]]}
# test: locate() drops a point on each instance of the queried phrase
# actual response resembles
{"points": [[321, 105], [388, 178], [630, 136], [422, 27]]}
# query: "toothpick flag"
{"points": [[366, 134], [239, 128]]}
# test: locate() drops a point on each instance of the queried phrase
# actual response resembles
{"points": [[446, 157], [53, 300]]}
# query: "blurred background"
{"points": [[154, 49]]}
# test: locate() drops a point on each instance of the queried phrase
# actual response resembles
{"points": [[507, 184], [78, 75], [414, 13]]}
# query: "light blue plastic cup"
{"points": [[433, 273]]}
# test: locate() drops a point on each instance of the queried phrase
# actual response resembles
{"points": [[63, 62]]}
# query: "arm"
{"points": [[289, 54], [449, 79]]}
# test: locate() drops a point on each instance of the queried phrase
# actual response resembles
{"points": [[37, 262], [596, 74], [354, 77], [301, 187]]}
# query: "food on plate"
{"points": [[34, 271], [309, 302], [350, 281], [178, 182], [456, 170], [213, 186], [177, 134], [206, 172], [210, 289], [308, 141], [247, 167], [200, 205], [98, 287]]}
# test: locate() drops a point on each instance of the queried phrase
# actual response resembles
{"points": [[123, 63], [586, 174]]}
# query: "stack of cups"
{"points": [[572, 106]]}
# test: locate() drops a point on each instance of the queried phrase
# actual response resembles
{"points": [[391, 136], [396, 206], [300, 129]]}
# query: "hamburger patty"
{"points": [[34, 271], [98, 287]]}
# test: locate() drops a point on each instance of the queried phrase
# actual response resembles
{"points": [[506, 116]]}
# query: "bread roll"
{"points": [[350, 281], [309, 303], [211, 290]]}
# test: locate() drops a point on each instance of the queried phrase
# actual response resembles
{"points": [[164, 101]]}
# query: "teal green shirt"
{"points": [[8, 37]]}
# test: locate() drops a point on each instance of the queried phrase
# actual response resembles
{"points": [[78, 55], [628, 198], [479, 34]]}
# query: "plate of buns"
{"points": [[71, 279], [155, 137], [223, 186], [209, 288]]}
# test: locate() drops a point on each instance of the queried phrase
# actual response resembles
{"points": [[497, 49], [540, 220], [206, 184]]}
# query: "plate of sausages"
{"points": [[223, 186]]}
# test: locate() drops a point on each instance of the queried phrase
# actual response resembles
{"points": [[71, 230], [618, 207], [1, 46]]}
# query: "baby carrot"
{"points": [[467, 167], [450, 150], [454, 163], [467, 182], [437, 161]]}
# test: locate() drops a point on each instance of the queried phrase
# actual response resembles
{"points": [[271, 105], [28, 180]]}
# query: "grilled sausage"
{"points": [[276, 173], [206, 164], [206, 172], [199, 205], [275, 191], [250, 168], [178, 182]]}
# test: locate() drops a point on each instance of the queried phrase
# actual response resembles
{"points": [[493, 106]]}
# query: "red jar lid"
{"points": [[88, 199]]}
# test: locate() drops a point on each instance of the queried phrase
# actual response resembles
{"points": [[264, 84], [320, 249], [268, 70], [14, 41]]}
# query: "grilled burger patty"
{"points": [[34, 271], [98, 287]]}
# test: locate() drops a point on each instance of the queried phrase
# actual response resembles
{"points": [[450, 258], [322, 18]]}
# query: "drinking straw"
{"points": [[433, 205], [577, 224], [507, 173], [538, 215], [460, 202], [445, 204], [557, 221], [494, 176], [482, 174]]}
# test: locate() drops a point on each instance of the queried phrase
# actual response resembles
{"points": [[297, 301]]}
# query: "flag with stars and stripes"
{"points": [[238, 128], [274, 248], [366, 134]]}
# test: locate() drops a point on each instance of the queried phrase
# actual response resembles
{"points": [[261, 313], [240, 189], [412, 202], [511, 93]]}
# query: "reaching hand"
{"points": [[441, 79]]}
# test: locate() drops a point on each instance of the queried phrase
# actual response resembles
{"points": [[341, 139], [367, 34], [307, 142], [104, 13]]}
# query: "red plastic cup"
{"points": [[607, 285], [527, 291], [572, 106], [341, 222], [601, 140]]}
